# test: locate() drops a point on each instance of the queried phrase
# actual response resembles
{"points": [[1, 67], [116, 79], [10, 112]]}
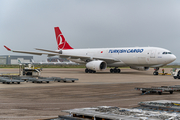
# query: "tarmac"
{"points": [[30, 101]]}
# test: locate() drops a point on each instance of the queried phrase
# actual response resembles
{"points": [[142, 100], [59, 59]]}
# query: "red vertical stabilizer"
{"points": [[61, 42]]}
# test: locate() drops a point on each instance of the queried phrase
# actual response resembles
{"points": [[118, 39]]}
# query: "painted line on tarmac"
{"points": [[51, 108], [18, 109]]}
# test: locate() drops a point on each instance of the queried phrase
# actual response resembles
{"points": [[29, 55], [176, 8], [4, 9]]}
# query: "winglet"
{"points": [[7, 48]]}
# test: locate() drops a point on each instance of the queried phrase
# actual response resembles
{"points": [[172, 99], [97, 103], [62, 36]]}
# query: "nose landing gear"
{"points": [[115, 70], [156, 71]]}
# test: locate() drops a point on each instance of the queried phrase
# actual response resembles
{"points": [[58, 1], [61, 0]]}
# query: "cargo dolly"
{"points": [[8, 80], [37, 80], [159, 90], [48, 79], [58, 79]]}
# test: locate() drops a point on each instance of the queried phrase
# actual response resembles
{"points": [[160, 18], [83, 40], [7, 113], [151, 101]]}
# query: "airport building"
{"points": [[13, 59]]}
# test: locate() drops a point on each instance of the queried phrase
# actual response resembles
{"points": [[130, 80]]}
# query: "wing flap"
{"points": [[84, 58]]}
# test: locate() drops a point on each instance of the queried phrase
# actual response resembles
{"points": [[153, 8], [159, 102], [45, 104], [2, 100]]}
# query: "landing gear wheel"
{"points": [[115, 70], [90, 71], [86, 70], [155, 73], [111, 70]]}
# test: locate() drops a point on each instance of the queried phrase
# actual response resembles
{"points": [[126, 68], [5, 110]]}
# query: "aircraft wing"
{"points": [[56, 53], [34, 53], [83, 58]]}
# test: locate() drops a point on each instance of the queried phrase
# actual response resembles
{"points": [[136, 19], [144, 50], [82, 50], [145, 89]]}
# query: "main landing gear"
{"points": [[115, 70], [89, 71], [156, 71]]}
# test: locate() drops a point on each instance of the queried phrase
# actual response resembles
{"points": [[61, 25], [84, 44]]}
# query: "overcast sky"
{"points": [[25, 25]]}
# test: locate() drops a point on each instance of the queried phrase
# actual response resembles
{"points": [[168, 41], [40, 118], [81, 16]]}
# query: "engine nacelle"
{"points": [[140, 68], [96, 65]]}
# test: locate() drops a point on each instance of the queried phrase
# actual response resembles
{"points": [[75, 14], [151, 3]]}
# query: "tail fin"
{"points": [[32, 60], [61, 42], [19, 61]]}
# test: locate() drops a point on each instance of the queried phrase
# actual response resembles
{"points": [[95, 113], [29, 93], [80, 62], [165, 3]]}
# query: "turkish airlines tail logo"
{"points": [[61, 42]]}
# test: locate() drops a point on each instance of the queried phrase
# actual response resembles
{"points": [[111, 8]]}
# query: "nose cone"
{"points": [[173, 58]]}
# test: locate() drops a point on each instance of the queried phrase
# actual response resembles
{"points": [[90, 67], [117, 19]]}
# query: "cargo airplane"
{"points": [[98, 59]]}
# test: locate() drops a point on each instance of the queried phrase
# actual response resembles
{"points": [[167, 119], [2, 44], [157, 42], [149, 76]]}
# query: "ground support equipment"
{"points": [[160, 90]]}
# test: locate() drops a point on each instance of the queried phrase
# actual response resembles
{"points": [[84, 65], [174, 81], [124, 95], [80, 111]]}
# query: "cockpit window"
{"points": [[166, 53]]}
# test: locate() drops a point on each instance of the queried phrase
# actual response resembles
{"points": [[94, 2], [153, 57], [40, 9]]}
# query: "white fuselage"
{"points": [[131, 56]]}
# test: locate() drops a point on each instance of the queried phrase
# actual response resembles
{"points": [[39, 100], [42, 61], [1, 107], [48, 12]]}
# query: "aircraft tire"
{"points": [[94, 71], [175, 77], [47, 81], [115, 70], [72, 80], [119, 70], [90, 71], [111, 70], [86, 70], [155, 73], [18, 82]]}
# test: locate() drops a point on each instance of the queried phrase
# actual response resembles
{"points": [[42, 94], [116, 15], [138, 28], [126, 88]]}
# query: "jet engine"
{"points": [[96, 65], [140, 68]]}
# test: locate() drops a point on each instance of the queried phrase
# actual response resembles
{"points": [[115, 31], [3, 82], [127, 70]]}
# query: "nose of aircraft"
{"points": [[173, 58]]}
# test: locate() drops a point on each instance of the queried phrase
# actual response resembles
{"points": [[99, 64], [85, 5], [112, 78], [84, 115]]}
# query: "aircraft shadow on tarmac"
{"points": [[124, 73]]}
